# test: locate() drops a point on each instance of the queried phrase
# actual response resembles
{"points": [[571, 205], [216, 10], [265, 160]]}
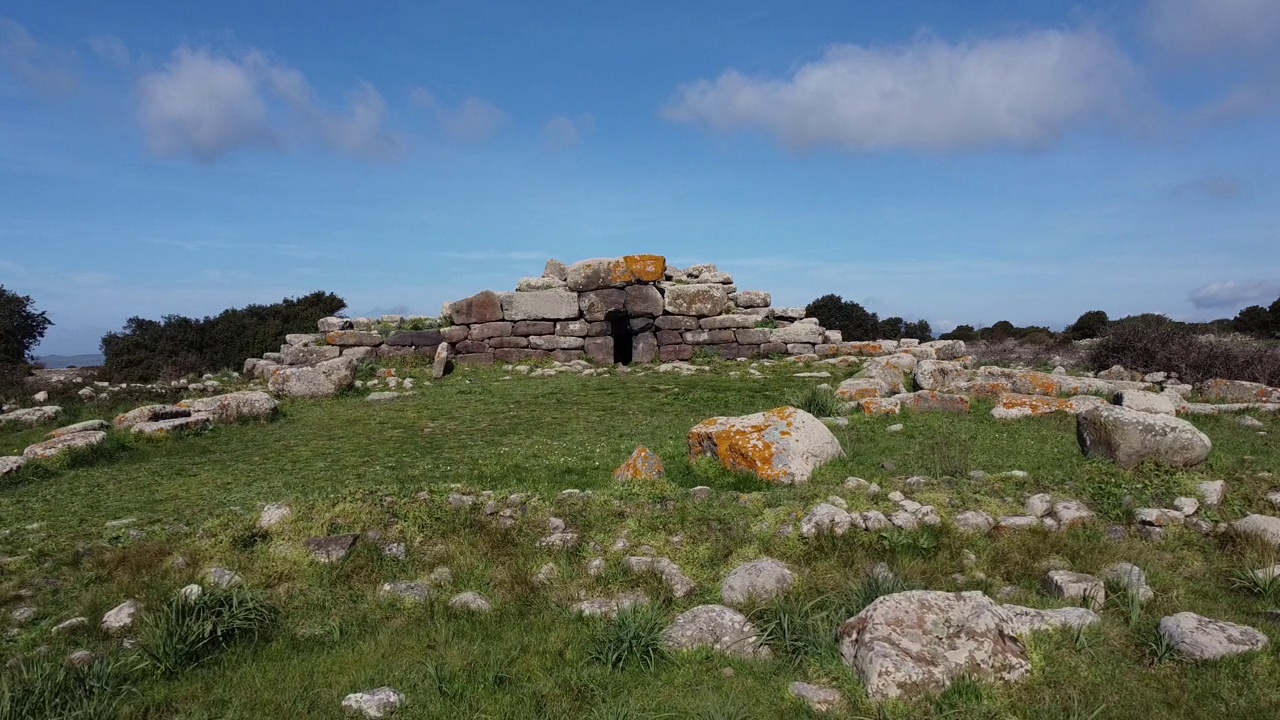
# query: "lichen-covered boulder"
{"points": [[11, 464], [934, 401], [696, 300], [59, 445], [783, 445], [642, 465], [1200, 638], [600, 273], [940, 374], [718, 628], [246, 404], [1013, 406], [925, 639], [149, 413], [1128, 437], [1237, 391], [1147, 402], [162, 428], [322, 380], [31, 416], [85, 426], [855, 389]]}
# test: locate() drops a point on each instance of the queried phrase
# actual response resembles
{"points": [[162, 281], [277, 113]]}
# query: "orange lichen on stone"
{"points": [[934, 401], [642, 465], [881, 406], [645, 268], [1032, 405], [985, 388], [743, 448], [858, 392]]}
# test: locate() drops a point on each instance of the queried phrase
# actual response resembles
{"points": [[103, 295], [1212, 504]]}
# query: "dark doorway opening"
{"points": [[620, 330]]}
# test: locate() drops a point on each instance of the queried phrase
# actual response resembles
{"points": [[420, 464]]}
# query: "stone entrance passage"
{"points": [[623, 336]]}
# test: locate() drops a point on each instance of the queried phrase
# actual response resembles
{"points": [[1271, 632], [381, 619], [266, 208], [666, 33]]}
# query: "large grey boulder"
{"points": [[946, 349], [718, 628], [696, 300], [248, 404], [1200, 638], [59, 445], [482, 307], [1128, 437], [322, 380], [783, 445], [759, 580], [925, 639], [31, 416]]}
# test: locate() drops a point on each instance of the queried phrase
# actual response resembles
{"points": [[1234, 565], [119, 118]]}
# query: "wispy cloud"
{"points": [[1232, 294], [564, 132], [112, 49], [472, 120], [45, 70], [205, 105], [1022, 91]]}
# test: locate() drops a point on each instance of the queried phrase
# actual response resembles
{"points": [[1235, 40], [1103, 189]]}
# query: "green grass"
{"points": [[348, 466]]}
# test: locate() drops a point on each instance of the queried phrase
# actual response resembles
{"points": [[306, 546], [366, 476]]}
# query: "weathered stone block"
{"points": [[555, 342], [544, 305], [599, 329], [709, 337], [806, 333], [472, 346], [480, 359], [354, 338], [773, 348], [484, 331], [676, 322], [419, 338], [697, 300], [455, 333], [566, 356], [599, 350], [671, 353], [508, 342], [643, 301], [309, 354], [670, 337], [597, 305], [515, 355], [642, 324], [799, 349], [482, 307], [751, 299], [753, 336], [525, 328], [555, 269], [728, 322], [644, 348], [573, 328]]}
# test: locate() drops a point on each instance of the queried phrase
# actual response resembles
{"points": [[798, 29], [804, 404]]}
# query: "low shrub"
{"points": [[1151, 343], [184, 632], [633, 638], [48, 687]]}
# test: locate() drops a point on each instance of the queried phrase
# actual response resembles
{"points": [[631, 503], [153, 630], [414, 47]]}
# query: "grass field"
{"points": [[351, 466]]}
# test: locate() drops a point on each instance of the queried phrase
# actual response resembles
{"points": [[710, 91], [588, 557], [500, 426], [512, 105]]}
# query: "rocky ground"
{"points": [[570, 541]]}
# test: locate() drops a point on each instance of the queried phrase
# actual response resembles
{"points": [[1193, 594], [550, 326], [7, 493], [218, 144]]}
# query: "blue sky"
{"points": [[958, 162]]}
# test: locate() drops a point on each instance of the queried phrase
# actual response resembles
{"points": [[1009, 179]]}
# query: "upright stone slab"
{"points": [[1128, 437], [482, 307], [783, 445]]}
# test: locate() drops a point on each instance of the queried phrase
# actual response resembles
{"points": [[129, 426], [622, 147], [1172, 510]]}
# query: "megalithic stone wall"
{"points": [[569, 313]]}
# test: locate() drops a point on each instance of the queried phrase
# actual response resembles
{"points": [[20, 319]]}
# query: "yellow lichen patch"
{"points": [[881, 406], [645, 268], [1036, 405], [1037, 383], [857, 392], [987, 389], [642, 465]]}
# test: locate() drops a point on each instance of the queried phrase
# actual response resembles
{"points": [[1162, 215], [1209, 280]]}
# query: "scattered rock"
{"points": [[1039, 505], [1265, 527], [718, 628], [1211, 492], [825, 519], [1070, 585], [273, 515], [149, 413], [410, 591], [59, 445], [372, 704], [610, 607], [11, 464], [974, 521], [223, 578], [642, 465], [1200, 638], [1025, 620], [1131, 577], [232, 407], [925, 639], [85, 426], [331, 549], [81, 658], [70, 626], [120, 618], [471, 601], [680, 584], [759, 580], [819, 699]]}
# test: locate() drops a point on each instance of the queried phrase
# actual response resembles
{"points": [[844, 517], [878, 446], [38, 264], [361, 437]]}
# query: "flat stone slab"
{"points": [[85, 426], [57, 446], [331, 549], [1200, 638], [31, 416], [161, 428], [718, 628]]}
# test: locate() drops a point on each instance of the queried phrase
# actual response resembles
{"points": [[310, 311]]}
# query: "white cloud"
{"points": [[1022, 91], [207, 105], [202, 105], [1206, 28], [112, 49], [40, 68], [564, 132], [1234, 295], [471, 120]]}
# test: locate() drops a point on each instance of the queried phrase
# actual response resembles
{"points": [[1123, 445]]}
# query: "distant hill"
{"points": [[57, 362]]}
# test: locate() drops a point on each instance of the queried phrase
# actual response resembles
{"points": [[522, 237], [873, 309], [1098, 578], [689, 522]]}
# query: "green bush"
{"points": [[1089, 325], [48, 687], [147, 350], [633, 638], [184, 632]]}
